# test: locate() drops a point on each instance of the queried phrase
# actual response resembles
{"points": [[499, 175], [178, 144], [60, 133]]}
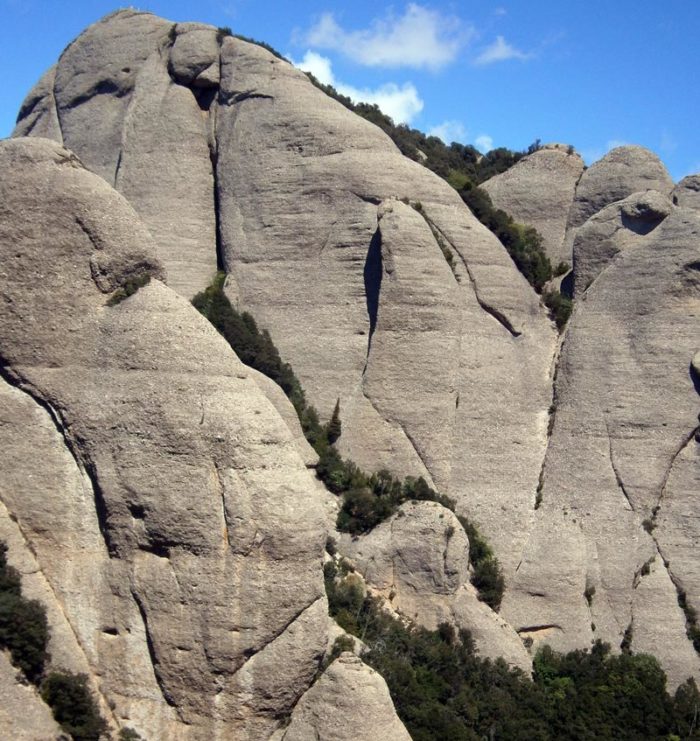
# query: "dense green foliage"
{"points": [[523, 243], [73, 706], [23, 628], [443, 690], [368, 499], [253, 346], [560, 307], [461, 165]]}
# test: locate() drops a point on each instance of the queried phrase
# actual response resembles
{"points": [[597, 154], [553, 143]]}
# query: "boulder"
{"points": [[621, 172], [538, 191], [617, 226], [687, 192], [419, 561], [349, 701]]}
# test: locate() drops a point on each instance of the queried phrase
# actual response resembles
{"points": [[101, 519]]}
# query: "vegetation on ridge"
{"points": [[465, 168], [367, 499], [24, 632], [442, 689]]}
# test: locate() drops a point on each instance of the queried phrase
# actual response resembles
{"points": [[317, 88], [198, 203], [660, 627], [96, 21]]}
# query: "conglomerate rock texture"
{"points": [[577, 456]]}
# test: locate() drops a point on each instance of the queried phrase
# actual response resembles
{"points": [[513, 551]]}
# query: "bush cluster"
{"points": [[442, 689], [24, 633]]}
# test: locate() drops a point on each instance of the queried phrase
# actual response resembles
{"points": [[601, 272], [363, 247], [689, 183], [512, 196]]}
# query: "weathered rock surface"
{"points": [[623, 171], [419, 561], [174, 524], [621, 459], [612, 229], [349, 701], [539, 191], [318, 248], [111, 100]]}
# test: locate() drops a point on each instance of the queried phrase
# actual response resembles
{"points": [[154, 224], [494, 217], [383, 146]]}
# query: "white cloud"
{"points": [[483, 143], [500, 51], [402, 103], [419, 38], [449, 131]]}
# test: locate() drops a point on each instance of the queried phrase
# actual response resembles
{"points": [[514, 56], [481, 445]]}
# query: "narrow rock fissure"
{"points": [[372, 274], [618, 478], [82, 461], [693, 436], [250, 653], [537, 628], [551, 412]]}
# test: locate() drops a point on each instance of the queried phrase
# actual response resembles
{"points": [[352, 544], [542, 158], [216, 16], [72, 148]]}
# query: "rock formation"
{"points": [[539, 191], [419, 560], [427, 359], [175, 528]]}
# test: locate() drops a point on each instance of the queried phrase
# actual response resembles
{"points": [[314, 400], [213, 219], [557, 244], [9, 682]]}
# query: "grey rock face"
{"points": [[612, 229], [623, 171], [111, 100], [350, 701], [359, 296], [428, 360], [175, 521], [539, 191], [621, 460]]}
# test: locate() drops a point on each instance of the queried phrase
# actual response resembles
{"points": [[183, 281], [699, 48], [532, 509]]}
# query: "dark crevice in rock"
{"points": [[205, 96], [118, 166], [73, 446], [373, 272], [374, 200], [618, 478], [641, 225], [537, 628], [153, 656], [231, 98], [695, 378]]}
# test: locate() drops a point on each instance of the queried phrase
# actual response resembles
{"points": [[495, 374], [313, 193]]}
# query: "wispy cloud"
{"points": [[500, 51], [402, 102], [419, 38], [483, 143], [449, 131]]}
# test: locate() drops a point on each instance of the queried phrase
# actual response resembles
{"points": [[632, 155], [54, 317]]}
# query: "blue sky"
{"points": [[585, 72]]}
